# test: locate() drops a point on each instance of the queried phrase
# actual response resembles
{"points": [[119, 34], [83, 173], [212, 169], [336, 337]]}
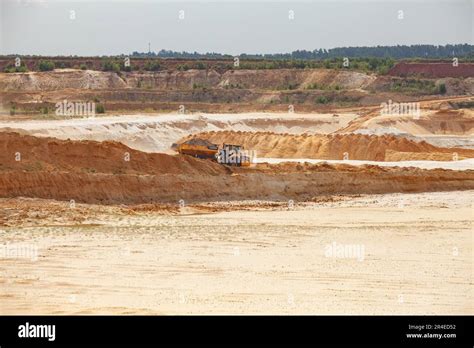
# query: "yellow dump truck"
{"points": [[198, 148], [229, 154]]}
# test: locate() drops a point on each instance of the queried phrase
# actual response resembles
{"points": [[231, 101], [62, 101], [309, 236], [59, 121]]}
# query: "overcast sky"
{"points": [[107, 27]]}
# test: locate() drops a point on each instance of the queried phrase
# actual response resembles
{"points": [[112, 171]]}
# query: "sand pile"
{"points": [[441, 122], [28, 153], [395, 156], [353, 146]]}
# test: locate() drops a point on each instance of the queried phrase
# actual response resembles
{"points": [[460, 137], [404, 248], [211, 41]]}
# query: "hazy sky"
{"points": [[104, 27]]}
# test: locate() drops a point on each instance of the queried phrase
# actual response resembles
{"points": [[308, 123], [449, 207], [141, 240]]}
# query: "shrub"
{"points": [[110, 66], [373, 63], [99, 109], [183, 67], [46, 65], [200, 86], [200, 66], [12, 69], [322, 100], [442, 88], [125, 68], [232, 86], [313, 86], [414, 86], [152, 66], [83, 66]]}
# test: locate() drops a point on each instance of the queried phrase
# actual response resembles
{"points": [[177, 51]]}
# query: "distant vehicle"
{"points": [[228, 154]]}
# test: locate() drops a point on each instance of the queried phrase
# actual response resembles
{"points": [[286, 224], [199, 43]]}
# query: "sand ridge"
{"points": [[334, 146], [99, 172]]}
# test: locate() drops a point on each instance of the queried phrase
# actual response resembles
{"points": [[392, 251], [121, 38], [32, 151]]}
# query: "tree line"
{"points": [[394, 52]]}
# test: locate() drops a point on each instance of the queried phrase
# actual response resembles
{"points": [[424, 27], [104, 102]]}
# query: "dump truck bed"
{"points": [[198, 148]]}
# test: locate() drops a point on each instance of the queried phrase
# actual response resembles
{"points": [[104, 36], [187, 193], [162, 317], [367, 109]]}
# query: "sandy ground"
{"points": [[379, 254], [466, 164]]}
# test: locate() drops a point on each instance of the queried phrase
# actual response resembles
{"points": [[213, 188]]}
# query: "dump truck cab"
{"points": [[233, 155]]}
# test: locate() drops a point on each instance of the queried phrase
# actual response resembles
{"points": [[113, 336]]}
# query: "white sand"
{"points": [[417, 259], [158, 132]]}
